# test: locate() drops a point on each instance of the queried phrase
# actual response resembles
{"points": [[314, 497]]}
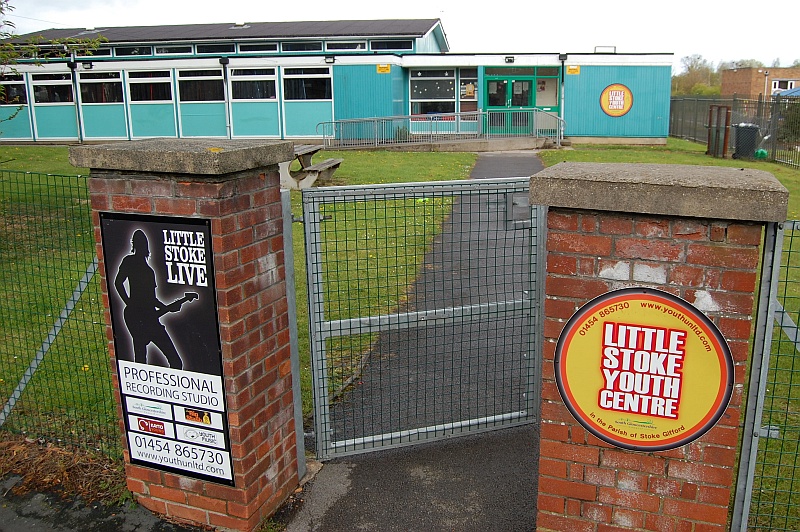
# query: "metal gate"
{"points": [[769, 471], [423, 310]]}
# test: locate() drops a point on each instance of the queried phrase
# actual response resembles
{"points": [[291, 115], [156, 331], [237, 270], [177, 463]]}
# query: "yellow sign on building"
{"points": [[383, 69]]}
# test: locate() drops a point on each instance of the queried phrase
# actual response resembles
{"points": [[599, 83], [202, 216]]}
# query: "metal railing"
{"points": [[777, 120], [55, 380], [441, 127]]}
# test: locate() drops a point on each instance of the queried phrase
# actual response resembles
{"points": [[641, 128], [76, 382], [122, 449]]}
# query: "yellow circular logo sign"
{"points": [[643, 370], [616, 100]]}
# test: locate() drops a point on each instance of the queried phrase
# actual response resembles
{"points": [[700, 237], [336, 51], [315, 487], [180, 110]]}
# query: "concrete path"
{"points": [[482, 482]]}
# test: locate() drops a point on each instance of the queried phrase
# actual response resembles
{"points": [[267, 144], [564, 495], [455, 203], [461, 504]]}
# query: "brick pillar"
{"points": [[235, 185], [694, 232]]}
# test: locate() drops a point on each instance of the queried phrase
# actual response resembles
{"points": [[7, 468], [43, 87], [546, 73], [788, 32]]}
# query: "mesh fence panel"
{"points": [[421, 300], [54, 368], [775, 504]]}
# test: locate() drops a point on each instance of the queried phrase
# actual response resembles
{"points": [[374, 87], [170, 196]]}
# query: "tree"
{"points": [[697, 72]]}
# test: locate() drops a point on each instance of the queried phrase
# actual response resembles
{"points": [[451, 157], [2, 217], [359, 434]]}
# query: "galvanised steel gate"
{"points": [[423, 310]]}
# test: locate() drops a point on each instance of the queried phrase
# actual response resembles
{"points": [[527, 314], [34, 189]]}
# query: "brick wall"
{"points": [[247, 234], [586, 484]]}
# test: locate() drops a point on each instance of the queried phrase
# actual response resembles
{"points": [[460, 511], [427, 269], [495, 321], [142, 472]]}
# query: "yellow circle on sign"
{"points": [[616, 100], [643, 369]]}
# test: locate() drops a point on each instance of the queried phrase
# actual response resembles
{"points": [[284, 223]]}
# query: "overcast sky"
{"points": [[680, 27]]}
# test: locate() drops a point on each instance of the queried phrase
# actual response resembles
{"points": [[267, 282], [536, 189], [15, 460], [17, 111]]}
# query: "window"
{"points": [[782, 85], [13, 92], [391, 45], [510, 71], [307, 84], [301, 46], [97, 52], [101, 87], [174, 50], [253, 84], [360, 45], [433, 91], [216, 48], [262, 47], [468, 89], [547, 71], [52, 88], [201, 86], [123, 51], [155, 86]]}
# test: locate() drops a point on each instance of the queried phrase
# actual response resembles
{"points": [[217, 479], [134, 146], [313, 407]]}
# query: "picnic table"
{"points": [[308, 172]]}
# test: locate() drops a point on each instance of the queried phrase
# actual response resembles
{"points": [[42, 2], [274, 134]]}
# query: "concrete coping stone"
{"points": [[721, 193], [182, 156]]}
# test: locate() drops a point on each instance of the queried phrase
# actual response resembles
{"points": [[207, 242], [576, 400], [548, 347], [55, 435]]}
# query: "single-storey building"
{"points": [[282, 79]]}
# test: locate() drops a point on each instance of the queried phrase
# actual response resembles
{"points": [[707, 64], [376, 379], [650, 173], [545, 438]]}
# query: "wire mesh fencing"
{"points": [[422, 302], [774, 503], [771, 124], [55, 382]]}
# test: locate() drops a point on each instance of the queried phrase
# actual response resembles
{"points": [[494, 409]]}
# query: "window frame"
{"points": [[134, 80], [432, 75], [50, 80], [94, 81], [241, 75], [137, 54], [13, 80], [274, 50], [218, 77], [362, 46], [301, 50], [162, 46], [308, 73]]}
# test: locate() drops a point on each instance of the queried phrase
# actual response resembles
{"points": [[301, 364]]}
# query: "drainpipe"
{"points": [[562, 58], [73, 66], [224, 62]]}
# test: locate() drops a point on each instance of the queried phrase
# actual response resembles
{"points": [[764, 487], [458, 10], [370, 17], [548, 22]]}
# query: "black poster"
{"points": [[160, 277]]}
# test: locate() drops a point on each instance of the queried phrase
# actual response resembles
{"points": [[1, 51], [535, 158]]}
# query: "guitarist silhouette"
{"points": [[142, 307]]}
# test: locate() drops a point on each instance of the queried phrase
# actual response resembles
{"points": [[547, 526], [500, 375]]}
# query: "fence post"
{"points": [[695, 233], [209, 432]]}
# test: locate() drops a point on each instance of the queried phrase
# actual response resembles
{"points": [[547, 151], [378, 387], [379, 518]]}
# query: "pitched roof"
{"points": [[411, 28], [793, 93]]}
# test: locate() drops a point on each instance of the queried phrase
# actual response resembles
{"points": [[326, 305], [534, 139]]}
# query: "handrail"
{"points": [[441, 127]]}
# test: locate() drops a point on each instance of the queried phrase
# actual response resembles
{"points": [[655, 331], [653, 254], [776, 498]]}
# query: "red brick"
{"points": [[644, 249], [577, 288], [136, 486], [168, 494], [187, 513], [684, 275], [569, 489], [705, 513], [143, 473], [567, 221], [599, 513], [616, 225], [575, 472], [726, 301], [748, 235], [600, 476], [659, 523], [738, 281], [689, 230], [629, 499], [588, 223], [579, 243], [131, 204], [551, 503], [573, 453], [155, 506], [688, 491], [722, 256], [207, 503], [735, 328], [228, 522], [718, 233], [656, 228], [184, 207], [631, 481], [633, 461], [573, 507], [704, 527], [716, 496], [547, 521], [629, 519], [554, 431], [552, 468], [701, 473], [665, 487], [559, 308]]}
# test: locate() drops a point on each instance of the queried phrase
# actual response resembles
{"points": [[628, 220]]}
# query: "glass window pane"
{"points": [[265, 47], [306, 71], [254, 90], [52, 93], [153, 74], [199, 73], [133, 50], [253, 72], [391, 45], [101, 92], [215, 48], [423, 108], [547, 71], [13, 94], [174, 49], [301, 46], [433, 73], [346, 46], [433, 89], [150, 92], [307, 88], [201, 90]]}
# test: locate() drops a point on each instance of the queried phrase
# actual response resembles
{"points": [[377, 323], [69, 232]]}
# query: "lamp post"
{"points": [[766, 83]]}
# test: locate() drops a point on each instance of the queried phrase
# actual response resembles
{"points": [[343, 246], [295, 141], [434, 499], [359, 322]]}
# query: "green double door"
{"points": [[511, 101]]}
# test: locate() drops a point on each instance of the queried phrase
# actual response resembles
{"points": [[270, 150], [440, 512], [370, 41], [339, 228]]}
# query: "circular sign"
{"points": [[616, 100], [643, 370]]}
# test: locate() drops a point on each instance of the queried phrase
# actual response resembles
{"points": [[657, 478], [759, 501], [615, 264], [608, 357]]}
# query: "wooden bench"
{"points": [[308, 173]]}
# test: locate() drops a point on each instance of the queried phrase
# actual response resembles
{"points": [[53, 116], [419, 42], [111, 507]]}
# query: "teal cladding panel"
{"points": [[361, 92], [428, 45], [302, 117], [256, 119], [648, 117], [153, 120], [400, 104], [104, 121], [18, 127], [56, 121], [203, 119]]}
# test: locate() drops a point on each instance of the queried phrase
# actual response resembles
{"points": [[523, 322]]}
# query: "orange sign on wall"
{"points": [[643, 369], [616, 100]]}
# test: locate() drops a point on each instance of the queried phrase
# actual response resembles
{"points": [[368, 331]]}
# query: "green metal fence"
{"points": [[54, 368]]}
